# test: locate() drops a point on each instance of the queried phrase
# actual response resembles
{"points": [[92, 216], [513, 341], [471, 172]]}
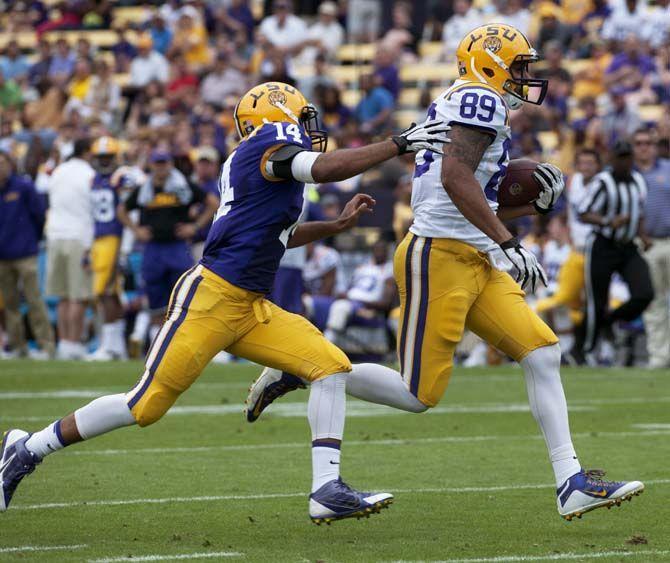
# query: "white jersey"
{"points": [[323, 260], [554, 256], [295, 257], [367, 284], [471, 104], [579, 232]]}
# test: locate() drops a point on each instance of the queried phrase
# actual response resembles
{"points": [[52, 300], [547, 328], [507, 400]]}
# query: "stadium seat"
{"points": [[102, 38], [26, 39], [651, 113], [352, 52], [428, 73], [131, 14], [432, 49]]}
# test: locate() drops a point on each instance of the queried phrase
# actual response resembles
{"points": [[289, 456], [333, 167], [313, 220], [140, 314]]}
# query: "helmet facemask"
{"points": [[521, 85], [105, 163], [309, 119]]}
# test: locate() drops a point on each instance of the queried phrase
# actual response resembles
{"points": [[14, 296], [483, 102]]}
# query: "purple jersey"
{"points": [[257, 215], [105, 200]]}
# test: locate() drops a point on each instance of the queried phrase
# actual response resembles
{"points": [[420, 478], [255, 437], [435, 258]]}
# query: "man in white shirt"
{"points": [[224, 80], [148, 65], [69, 235], [465, 19], [629, 17], [325, 36], [283, 29]]}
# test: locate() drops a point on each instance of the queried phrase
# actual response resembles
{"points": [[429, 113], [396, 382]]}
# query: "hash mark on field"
{"points": [[23, 548], [204, 555], [386, 442], [269, 496], [553, 557]]}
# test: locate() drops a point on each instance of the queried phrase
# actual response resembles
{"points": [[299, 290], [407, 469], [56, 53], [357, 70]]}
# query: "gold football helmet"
{"points": [[499, 55], [276, 101], [105, 151]]}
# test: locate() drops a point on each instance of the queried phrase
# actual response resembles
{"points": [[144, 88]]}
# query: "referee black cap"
{"points": [[622, 148]]}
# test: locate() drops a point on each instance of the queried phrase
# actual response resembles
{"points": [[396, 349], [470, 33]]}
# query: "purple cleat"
{"points": [[336, 500], [15, 463]]}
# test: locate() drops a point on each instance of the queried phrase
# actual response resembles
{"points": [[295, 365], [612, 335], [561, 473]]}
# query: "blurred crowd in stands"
{"points": [[156, 83]]}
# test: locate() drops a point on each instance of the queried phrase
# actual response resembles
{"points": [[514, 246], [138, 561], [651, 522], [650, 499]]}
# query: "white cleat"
{"points": [[586, 491], [270, 385]]}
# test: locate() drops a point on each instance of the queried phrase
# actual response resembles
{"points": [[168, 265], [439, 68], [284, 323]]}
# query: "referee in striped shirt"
{"points": [[614, 205]]}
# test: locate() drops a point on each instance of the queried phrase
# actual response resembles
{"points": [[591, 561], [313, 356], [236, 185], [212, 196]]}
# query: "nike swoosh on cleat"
{"points": [[600, 493], [257, 407], [335, 463], [6, 464]]}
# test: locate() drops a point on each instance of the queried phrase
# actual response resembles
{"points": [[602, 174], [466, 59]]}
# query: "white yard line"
{"points": [[204, 555], [31, 548], [365, 443], [553, 557], [267, 496], [653, 426]]}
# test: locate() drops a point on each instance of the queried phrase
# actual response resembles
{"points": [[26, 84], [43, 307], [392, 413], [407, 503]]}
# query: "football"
{"points": [[518, 187]]}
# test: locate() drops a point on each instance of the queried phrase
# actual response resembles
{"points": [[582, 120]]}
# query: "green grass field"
{"points": [[471, 478]]}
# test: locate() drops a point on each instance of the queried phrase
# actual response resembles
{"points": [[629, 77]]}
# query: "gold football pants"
{"points": [[446, 286]]}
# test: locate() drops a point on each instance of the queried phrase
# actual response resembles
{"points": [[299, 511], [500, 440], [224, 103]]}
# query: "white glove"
{"points": [[429, 135], [529, 270], [551, 179]]}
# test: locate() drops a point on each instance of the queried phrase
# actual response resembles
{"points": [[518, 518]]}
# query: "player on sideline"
{"points": [[220, 305], [449, 268], [106, 250]]}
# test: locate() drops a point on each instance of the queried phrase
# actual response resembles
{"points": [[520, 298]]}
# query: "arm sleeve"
{"points": [[291, 162], [131, 201]]}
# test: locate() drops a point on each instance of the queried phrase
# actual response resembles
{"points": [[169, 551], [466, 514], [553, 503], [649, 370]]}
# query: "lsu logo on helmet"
{"points": [[499, 55], [277, 101]]}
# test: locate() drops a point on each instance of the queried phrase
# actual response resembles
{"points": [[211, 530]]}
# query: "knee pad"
{"points": [[154, 403]]}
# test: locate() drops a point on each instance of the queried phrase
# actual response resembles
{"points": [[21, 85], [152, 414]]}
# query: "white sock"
{"points": [[46, 441], [102, 415], [325, 465], [107, 336], [142, 322], [118, 342], [99, 416], [339, 314], [547, 403], [381, 385], [325, 412]]}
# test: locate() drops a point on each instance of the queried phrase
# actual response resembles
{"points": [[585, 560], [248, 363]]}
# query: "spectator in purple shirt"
{"points": [[22, 216], [124, 51], [62, 63], [629, 68], [238, 16], [39, 71], [386, 71]]}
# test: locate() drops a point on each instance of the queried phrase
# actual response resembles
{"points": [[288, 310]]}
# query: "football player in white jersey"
{"points": [[571, 276], [372, 288], [450, 268]]}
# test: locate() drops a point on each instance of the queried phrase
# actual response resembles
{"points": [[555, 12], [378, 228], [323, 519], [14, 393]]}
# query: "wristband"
{"points": [[541, 210], [401, 143], [511, 243]]}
